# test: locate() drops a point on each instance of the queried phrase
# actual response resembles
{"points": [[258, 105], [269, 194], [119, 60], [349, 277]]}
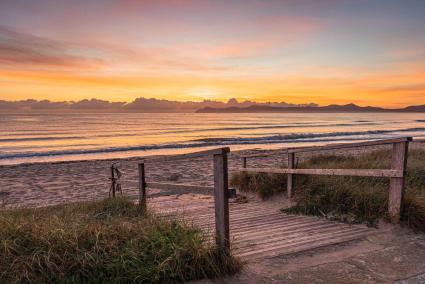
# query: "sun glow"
{"points": [[204, 93]]}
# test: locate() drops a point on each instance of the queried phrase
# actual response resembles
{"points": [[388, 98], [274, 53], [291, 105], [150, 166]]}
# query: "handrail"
{"points": [[328, 172], [334, 146], [178, 186], [260, 155], [349, 145]]}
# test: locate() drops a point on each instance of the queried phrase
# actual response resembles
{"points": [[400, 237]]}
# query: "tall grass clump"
{"points": [[110, 241], [263, 184], [352, 199], [413, 214]]}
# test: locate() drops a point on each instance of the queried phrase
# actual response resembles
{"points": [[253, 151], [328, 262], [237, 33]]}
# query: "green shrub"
{"points": [[109, 241]]}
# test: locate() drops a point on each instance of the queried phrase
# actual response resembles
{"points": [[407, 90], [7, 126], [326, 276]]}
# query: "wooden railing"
{"points": [[220, 188], [396, 173]]}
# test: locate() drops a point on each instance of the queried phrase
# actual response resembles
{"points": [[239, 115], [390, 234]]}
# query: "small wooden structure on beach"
{"points": [[266, 231]]}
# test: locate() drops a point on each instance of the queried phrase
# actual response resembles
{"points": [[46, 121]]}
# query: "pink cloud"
{"points": [[18, 49], [268, 34]]}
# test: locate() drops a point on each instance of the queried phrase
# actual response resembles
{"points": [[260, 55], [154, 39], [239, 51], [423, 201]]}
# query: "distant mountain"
{"points": [[415, 108], [138, 105], [329, 108]]}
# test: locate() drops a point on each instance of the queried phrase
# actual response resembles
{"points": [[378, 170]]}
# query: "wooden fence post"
{"points": [[290, 178], [221, 199], [399, 162], [113, 185], [142, 186]]}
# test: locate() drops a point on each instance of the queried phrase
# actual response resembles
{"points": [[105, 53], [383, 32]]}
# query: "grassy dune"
{"points": [[352, 199], [103, 242]]}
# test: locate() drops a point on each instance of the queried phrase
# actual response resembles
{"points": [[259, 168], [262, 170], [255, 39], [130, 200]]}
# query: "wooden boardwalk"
{"points": [[259, 229]]}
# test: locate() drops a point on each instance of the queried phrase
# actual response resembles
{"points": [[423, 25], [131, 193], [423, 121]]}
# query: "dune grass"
{"points": [[110, 241], [351, 199], [263, 184]]}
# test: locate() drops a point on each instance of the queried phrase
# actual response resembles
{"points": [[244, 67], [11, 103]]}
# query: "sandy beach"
{"points": [[44, 184]]}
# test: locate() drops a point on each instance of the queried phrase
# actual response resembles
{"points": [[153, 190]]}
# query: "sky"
{"points": [[368, 52]]}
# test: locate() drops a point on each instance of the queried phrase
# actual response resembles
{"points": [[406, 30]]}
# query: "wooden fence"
{"points": [[396, 173], [221, 188]]}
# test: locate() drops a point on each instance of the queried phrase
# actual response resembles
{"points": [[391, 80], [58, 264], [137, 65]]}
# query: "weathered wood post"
{"points": [[142, 186], [290, 178], [244, 162], [221, 199], [399, 162], [113, 185]]}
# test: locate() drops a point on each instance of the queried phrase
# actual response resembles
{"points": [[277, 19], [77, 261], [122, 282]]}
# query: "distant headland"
{"points": [[329, 108]]}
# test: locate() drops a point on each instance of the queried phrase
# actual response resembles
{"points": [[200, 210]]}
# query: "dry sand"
{"points": [[42, 184]]}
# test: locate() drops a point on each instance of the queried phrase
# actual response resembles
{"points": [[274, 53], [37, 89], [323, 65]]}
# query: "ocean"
{"points": [[30, 138]]}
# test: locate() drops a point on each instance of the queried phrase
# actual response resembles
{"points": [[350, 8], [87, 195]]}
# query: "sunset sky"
{"points": [[369, 52]]}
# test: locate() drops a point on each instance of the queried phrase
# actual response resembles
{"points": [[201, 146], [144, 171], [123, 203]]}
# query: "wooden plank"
{"points": [[207, 210], [179, 186], [329, 237], [349, 145], [238, 225], [142, 186], [307, 233], [290, 177], [318, 244], [304, 245], [221, 199], [268, 224], [243, 217], [399, 162], [309, 228], [211, 152], [328, 172]]}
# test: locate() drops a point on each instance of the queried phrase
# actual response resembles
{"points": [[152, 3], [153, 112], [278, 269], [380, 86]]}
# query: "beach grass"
{"points": [[110, 241], [349, 199]]}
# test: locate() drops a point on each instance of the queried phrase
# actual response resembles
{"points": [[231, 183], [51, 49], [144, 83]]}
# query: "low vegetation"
{"points": [[111, 241], [264, 185], [351, 199]]}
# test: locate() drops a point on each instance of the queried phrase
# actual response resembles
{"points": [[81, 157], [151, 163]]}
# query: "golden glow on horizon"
{"points": [[370, 90]]}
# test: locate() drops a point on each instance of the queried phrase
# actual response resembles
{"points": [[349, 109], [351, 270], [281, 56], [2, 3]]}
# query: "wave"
{"points": [[39, 138], [297, 136], [220, 141], [292, 125], [52, 138]]}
